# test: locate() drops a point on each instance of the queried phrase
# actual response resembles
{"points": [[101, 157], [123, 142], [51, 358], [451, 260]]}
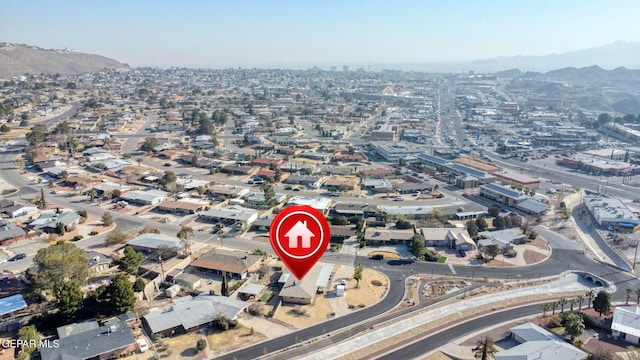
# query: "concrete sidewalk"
{"points": [[393, 328]]}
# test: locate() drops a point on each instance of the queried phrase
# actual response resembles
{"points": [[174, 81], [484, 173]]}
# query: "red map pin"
{"points": [[299, 235]]}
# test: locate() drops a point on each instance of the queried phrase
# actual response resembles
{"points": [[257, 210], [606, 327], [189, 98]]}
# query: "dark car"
{"points": [[377, 257], [401, 262], [17, 257], [167, 164]]}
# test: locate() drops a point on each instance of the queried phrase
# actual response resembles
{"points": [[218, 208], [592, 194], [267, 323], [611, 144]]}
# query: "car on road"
{"points": [[296, 189], [166, 164], [335, 194], [398, 198], [288, 187], [18, 257]]}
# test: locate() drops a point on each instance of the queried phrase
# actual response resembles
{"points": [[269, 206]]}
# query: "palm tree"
{"points": [[545, 307], [139, 160], [572, 302], [628, 291], [485, 349], [580, 301], [554, 306], [562, 303], [574, 326], [590, 294]]}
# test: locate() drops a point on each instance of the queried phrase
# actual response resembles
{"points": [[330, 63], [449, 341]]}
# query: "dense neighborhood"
{"points": [[136, 204]]}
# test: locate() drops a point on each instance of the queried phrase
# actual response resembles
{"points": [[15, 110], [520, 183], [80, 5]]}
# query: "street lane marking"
{"points": [[453, 271]]}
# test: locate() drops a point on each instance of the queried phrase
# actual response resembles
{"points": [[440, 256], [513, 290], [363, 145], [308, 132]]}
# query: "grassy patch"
{"points": [[266, 297], [336, 245], [442, 259]]}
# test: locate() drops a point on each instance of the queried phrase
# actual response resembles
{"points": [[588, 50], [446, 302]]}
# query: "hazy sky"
{"points": [[301, 32]]}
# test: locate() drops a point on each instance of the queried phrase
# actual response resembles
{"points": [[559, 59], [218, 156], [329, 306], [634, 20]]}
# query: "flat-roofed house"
{"points": [[382, 236], [232, 214]]}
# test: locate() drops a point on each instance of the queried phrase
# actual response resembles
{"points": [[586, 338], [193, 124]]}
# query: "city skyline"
{"points": [[272, 34]]}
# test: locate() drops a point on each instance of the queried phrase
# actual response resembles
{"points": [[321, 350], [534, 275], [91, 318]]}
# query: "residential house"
{"points": [[145, 197], [382, 236], [48, 223], [10, 233], [231, 215], [189, 314], [9, 285], [336, 182], [504, 239], [181, 207], [90, 340], [234, 263], [149, 243], [538, 343], [626, 324], [457, 238], [227, 191], [11, 304], [377, 185], [17, 210], [305, 291], [320, 203], [341, 233], [98, 263], [353, 209]]}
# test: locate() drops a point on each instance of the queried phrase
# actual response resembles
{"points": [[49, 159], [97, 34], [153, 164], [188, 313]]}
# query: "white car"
{"points": [[398, 198], [142, 344], [2, 261]]}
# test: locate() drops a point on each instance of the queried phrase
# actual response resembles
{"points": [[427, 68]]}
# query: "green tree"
{"points": [[562, 302], [117, 237], [120, 294], [472, 228], [60, 263], [604, 118], [37, 135], [92, 193], [629, 291], [493, 211], [491, 251], [485, 349], [357, 274], [107, 218], [4, 128], [42, 202], [481, 223], [62, 128], [31, 336], [544, 307], [590, 295], [499, 222], [339, 220], [130, 262], [269, 195], [149, 144], [224, 289], [201, 344], [63, 175], [169, 177], [418, 247], [573, 325], [533, 235], [602, 302], [70, 300], [403, 224], [185, 233], [60, 228]]}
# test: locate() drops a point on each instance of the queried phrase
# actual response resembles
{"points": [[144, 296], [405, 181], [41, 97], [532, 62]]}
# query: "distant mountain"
{"points": [[21, 59], [618, 54], [619, 78]]}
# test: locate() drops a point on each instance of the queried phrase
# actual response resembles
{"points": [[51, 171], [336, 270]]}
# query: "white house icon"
{"points": [[299, 233]]}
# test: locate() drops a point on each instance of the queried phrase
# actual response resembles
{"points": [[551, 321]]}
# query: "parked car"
{"points": [[462, 253], [18, 257], [398, 198], [288, 187], [167, 164], [142, 344], [335, 194], [377, 257]]}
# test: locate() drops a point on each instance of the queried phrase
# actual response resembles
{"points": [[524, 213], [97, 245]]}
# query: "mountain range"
{"points": [[18, 60]]}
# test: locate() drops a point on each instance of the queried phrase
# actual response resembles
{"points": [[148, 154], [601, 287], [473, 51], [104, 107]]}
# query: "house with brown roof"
{"points": [[334, 182], [266, 162], [181, 207], [235, 263]]}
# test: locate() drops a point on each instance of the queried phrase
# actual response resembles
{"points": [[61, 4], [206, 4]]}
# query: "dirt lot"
{"points": [[224, 341], [367, 294], [180, 347], [316, 313]]}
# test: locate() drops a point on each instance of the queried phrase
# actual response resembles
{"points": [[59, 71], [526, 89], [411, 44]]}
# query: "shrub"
{"points": [[201, 344], [77, 238], [117, 237], [271, 313], [139, 285], [93, 233], [256, 309], [376, 282], [361, 305], [352, 306]]}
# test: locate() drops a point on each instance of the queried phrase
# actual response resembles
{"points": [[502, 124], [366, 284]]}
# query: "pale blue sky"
{"points": [[299, 32]]}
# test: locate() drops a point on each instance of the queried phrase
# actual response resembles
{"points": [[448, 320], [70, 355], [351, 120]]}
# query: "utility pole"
{"points": [[161, 266], [635, 256]]}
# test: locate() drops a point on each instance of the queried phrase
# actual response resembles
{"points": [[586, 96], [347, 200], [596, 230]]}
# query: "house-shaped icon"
{"points": [[299, 233]]}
